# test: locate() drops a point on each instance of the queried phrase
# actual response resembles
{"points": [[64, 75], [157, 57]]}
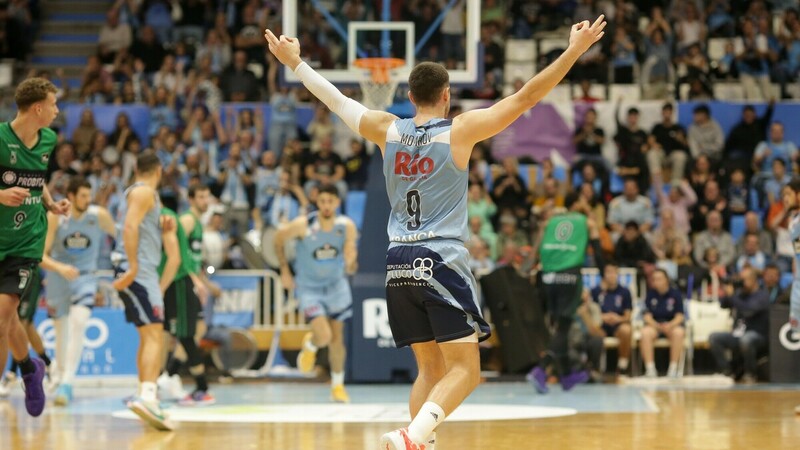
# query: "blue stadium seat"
{"points": [[786, 280], [737, 227], [560, 173], [616, 183], [355, 204], [755, 204], [577, 179]]}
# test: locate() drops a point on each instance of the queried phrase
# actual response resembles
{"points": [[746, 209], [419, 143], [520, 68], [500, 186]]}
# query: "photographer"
{"points": [[749, 303]]}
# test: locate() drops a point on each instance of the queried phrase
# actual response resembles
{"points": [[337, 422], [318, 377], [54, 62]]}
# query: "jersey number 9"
{"points": [[414, 209]]}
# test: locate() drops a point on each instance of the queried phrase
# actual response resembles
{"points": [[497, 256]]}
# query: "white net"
{"points": [[378, 95]]}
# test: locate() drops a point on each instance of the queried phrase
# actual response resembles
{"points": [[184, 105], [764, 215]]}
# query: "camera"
{"points": [[736, 282]]}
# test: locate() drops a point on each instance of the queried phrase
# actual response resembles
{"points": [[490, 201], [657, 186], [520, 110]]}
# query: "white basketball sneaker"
{"points": [[399, 440]]}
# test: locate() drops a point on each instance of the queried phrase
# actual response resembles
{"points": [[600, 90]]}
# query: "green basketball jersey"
{"points": [[196, 244], [24, 228], [564, 242], [183, 243]]}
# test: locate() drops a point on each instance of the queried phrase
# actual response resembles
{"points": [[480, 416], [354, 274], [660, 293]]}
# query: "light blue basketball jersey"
{"points": [[149, 254], [794, 298], [78, 241], [428, 193], [794, 232], [319, 259]]}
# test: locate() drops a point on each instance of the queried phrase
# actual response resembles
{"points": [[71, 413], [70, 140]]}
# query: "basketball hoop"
{"points": [[379, 87]]}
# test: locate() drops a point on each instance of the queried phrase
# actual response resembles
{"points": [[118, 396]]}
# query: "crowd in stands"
{"points": [[19, 20], [683, 189]]}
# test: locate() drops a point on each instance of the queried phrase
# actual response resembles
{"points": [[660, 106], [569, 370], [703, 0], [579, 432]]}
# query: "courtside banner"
{"points": [[110, 343], [236, 307]]}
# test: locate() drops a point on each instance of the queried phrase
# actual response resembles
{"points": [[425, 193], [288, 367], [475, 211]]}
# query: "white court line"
{"points": [[650, 401]]}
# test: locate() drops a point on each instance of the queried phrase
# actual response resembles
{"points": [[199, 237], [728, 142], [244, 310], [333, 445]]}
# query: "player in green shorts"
{"points": [[562, 253], [25, 148], [182, 307]]}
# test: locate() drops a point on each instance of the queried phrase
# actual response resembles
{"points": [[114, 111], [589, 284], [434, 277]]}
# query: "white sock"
{"points": [[62, 335], [337, 378], [623, 364], [431, 440], [310, 346], [147, 391], [673, 369], [78, 318], [650, 368], [428, 418]]}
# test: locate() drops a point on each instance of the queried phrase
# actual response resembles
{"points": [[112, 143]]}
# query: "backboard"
{"points": [[333, 33]]}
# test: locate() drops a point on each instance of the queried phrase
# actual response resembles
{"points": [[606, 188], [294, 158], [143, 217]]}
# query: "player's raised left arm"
{"points": [[480, 124], [350, 248], [370, 124]]}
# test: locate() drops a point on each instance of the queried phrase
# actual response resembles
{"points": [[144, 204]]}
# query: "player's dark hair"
{"points": [[76, 183], [426, 83], [571, 198], [702, 109], [169, 201], [147, 162], [194, 189], [328, 189], [33, 90]]}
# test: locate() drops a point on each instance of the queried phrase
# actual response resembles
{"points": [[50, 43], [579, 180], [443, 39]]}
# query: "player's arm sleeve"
{"points": [[348, 109]]}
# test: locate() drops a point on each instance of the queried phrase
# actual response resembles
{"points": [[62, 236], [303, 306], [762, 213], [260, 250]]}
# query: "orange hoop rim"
{"points": [[379, 67]]}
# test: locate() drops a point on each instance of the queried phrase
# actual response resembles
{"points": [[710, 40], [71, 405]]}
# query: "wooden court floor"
{"points": [[677, 418]]}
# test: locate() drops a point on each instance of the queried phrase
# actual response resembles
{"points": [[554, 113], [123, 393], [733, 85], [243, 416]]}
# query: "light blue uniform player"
{"points": [[430, 290], [71, 252], [321, 285], [136, 259], [77, 243], [144, 301], [325, 255]]}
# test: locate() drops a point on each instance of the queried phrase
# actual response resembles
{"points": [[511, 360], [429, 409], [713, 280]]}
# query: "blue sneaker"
{"points": [[63, 395], [538, 378], [575, 378], [151, 413], [34, 390]]}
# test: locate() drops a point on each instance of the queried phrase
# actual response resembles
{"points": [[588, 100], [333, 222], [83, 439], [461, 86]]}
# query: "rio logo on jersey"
{"points": [[407, 165]]}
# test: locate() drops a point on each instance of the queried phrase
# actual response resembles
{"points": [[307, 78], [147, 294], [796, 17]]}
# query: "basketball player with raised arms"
{"points": [[430, 291], [71, 252], [25, 147], [325, 254]]}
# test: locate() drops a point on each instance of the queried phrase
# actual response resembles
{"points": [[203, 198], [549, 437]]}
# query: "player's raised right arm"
{"points": [[477, 125], [367, 123]]}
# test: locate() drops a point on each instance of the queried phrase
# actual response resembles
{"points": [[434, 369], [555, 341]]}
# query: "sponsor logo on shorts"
{"points": [[24, 276], [423, 269], [559, 278]]}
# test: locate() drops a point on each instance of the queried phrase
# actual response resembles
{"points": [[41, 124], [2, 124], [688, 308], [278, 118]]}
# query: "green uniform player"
{"points": [[562, 253], [184, 305], [25, 148]]}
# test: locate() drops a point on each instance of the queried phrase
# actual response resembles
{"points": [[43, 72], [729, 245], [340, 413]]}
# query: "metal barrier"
{"points": [[271, 307]]}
